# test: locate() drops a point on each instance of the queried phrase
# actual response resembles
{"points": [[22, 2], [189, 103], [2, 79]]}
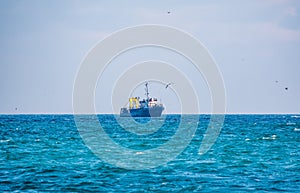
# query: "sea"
{"points": [[49, 153]]}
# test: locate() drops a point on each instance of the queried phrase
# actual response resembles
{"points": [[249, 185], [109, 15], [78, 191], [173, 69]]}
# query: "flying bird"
{"points": [[169, 84]]}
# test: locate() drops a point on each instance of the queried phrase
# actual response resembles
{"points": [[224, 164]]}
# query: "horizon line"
{"points": [[205, 113]]}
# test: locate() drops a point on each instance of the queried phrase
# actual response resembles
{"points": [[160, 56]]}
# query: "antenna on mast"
{"points": [[147, 91]]}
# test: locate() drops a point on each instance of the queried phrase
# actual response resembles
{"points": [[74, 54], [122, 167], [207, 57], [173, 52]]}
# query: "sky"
{"points": [[256, 45]]}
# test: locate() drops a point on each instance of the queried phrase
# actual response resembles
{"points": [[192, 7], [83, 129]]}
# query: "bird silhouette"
{"points": [[169, 84]]}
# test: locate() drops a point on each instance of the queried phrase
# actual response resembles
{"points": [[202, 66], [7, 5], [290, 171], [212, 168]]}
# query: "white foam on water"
{"points": [[4, 141], [289, 123], [270, 138]]}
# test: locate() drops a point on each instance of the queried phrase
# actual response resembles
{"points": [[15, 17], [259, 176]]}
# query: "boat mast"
{"points": [[147, 91]]}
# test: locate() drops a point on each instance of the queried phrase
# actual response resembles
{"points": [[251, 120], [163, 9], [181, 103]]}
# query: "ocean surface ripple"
{"points": [[43, 153]]}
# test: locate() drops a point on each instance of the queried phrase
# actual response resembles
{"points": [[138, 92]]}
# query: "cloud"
{"points": [[270, 31], [291, 11], [262, 20]]}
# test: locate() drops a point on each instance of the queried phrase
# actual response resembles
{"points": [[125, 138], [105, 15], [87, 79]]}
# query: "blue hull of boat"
{"points": [[155, 111]]}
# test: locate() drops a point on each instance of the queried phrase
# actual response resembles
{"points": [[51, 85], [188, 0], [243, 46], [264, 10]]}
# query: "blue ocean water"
{"points": [[42, 153]]}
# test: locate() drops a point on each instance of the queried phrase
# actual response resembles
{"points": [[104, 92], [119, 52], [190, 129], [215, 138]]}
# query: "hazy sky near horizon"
{"points": [[256, 45]]}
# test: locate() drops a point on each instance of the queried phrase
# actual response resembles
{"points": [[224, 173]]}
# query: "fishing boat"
{"points": [[148, 107]]}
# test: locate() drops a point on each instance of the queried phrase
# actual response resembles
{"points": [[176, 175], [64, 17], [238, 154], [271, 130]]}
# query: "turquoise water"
{"points": [[42, 153]]}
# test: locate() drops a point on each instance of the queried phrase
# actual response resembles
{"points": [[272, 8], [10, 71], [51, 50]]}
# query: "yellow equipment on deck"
{"points": [[134, 103]]}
